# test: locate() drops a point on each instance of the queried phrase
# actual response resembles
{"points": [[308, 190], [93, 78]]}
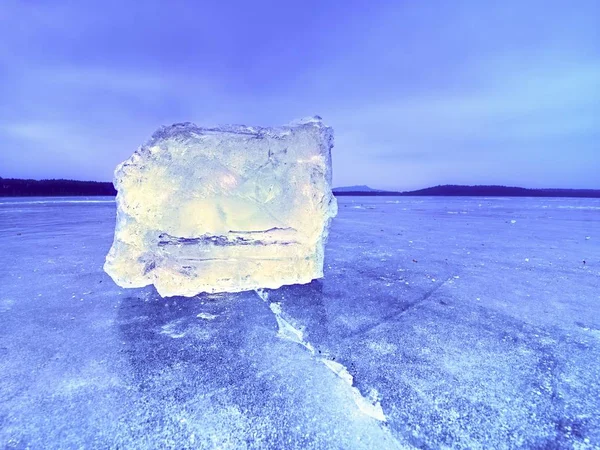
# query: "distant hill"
{"points": [[360, 188], [12, 187], [480, 191], [503, 191]]}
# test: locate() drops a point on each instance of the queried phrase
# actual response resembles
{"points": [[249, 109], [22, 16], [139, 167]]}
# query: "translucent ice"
{"points": [[224, 209]]}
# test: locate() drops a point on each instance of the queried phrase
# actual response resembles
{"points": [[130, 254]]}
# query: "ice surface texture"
{"points": [[224, 209]]}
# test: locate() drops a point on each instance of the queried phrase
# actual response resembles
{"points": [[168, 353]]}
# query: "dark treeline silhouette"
{"points": [[11, 187], [481, 191]]}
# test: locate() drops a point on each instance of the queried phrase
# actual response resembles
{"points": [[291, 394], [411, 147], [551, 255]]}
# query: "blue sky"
{"points": [[419, 93]]}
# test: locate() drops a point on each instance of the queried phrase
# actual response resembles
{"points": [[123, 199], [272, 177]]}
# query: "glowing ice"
{"points": [[224, 209]]}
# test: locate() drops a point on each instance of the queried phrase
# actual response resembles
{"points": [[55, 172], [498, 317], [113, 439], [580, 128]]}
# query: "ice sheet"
{"points": [[438, 318]]}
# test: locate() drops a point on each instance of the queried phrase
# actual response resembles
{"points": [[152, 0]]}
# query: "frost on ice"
{"points": [[224, 209]]}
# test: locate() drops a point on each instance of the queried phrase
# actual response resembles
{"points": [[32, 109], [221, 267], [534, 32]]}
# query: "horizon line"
{"points": [[373, 190]]}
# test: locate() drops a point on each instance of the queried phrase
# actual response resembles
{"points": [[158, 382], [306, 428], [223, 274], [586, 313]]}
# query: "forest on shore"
{"points": [[13, 187]]}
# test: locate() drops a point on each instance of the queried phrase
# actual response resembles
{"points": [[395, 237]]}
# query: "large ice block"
{"points": [[224, 209]]}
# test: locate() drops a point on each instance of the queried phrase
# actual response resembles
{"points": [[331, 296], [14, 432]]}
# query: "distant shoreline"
{"points": [[13, 187], [478, 191]]}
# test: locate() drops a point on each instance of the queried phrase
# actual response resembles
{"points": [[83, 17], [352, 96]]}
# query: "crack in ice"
{"points": [[370, 406], [408, 308]]}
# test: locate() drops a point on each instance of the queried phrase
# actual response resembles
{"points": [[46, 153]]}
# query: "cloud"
{"points": [[119, 80], [416, 95], [540, 106]]}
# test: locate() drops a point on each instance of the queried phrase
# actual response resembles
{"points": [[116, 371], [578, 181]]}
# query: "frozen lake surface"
{"points": [[441, 322]]}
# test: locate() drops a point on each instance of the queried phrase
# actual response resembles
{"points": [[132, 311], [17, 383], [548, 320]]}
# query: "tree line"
{"points": [[12, 187]]}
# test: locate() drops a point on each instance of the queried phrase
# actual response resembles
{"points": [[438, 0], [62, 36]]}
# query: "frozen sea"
{"points": [[440, 323]]}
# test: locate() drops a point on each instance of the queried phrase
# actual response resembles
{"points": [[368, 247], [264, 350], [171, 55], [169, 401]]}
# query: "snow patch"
{"points": [[383, 347], [173, 329], [580, 207], [207, 316]]}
